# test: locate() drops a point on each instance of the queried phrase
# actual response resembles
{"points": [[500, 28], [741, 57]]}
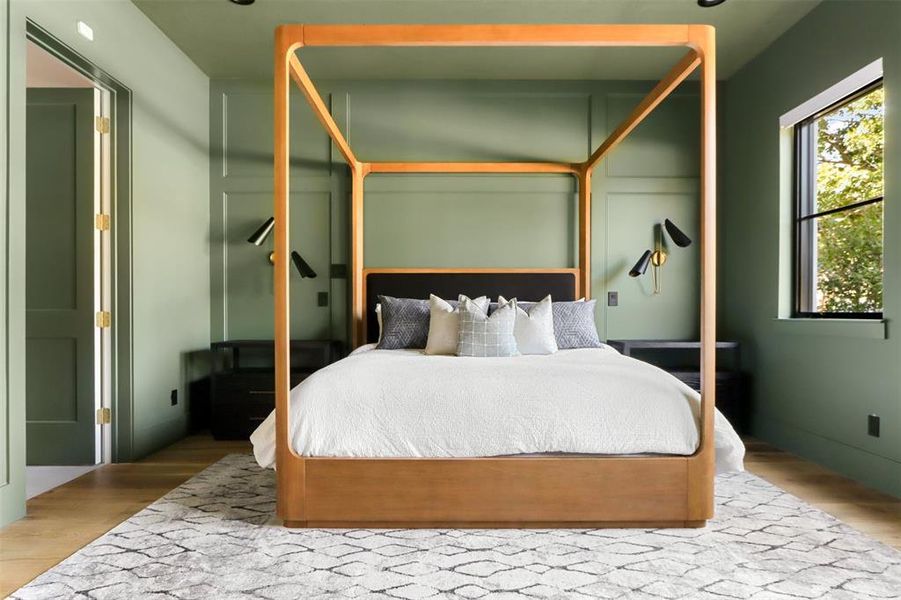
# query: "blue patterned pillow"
{"points": [[574, 325], [405, 323], [481, 335]]}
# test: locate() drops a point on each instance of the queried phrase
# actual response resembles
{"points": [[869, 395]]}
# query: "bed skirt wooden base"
{"points": [[614, 492], [497, 525]]}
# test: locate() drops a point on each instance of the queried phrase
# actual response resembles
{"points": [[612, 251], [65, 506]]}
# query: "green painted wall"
{"points": [[459, 220], [170, 215], [814, 382]]}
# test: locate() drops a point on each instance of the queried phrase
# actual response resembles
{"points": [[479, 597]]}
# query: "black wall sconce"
{"points": [[301, 265], [259, 236], [657, 257], [262, 233]]}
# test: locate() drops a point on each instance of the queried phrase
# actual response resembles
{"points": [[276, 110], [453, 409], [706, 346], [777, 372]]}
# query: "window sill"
{"points": [[873, 329]]}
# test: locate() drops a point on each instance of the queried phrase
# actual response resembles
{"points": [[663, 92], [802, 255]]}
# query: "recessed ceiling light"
{"points": [[709, 3], [85, 31], [243, 2]]}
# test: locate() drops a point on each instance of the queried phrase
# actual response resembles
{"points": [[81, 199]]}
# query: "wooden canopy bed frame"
{"points": [[647, 491]]}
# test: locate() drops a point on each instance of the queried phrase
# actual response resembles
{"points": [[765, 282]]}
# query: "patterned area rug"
{"points": [[214, 537]]}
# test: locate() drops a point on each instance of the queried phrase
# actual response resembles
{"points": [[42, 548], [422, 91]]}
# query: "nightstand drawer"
{"points": [[242, 393], [242, 400], [732, 385], [731, 391]]}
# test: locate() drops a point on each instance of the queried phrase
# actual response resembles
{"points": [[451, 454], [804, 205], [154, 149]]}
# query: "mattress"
{"points": [[403, 403]]}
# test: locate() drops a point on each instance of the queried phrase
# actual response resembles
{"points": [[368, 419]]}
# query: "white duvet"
{"points": [[403, 403]]}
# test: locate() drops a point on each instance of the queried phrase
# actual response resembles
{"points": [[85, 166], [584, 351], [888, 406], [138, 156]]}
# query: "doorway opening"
{"points": [[74, 358]]}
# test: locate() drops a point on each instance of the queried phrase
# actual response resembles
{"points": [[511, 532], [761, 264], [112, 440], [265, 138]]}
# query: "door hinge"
{"points": [[104, 416], [103, 319], [101, 222], [101, 124]]}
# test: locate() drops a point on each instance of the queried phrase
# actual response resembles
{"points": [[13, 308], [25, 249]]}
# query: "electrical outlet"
{"points": [[612, 298], [873, 425], [173, 397]]}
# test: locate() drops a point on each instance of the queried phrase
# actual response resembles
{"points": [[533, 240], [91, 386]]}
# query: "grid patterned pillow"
{"points": [[444, 323], [481, 335]]}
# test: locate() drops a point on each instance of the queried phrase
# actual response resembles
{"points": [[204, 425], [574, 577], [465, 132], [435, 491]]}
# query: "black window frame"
{"points": [[805, 219]]}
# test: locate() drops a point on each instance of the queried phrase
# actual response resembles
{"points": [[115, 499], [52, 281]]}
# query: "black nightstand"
{"points": [[243, 392], [731, 385]]}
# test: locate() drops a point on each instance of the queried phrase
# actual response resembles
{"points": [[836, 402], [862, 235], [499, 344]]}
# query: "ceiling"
{"points": [[231, 41]]}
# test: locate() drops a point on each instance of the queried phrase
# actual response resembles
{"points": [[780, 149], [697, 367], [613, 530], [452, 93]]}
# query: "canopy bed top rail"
{"points": [[598, 35], [303, 81], [471, 167], [292, 37], [670, 82], [699, 39]]}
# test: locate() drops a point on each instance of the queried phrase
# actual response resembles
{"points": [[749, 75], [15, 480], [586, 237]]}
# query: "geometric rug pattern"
{"points": [[214, 537]]}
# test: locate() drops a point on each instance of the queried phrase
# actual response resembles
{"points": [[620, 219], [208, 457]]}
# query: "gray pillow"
{"points": [[574, 325], [405, 323], [481, 335]]}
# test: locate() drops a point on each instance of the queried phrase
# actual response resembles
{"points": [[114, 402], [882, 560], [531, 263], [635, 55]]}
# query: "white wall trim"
{"points": [[847, 86]]}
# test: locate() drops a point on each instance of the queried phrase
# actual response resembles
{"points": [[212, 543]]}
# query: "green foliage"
{"points": [[850, 144]]}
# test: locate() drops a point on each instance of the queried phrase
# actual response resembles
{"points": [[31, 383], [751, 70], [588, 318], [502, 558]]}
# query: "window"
{"points": [[839, 223]]}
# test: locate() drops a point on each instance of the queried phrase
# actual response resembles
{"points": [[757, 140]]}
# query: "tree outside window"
{"points": [[839, 159]]}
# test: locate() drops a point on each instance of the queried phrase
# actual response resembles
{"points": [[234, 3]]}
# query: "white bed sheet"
{"points": [[403, 403]]}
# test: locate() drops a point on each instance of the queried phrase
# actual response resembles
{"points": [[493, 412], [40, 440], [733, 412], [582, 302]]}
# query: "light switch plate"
{"points": [[873, 425], [612, 298]]}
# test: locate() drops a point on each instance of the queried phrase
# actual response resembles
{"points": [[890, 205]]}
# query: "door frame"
{"points": [[121, 334]]}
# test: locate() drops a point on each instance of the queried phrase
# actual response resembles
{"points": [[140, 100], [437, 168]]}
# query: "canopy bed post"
{"points": [[289, 471], [584, 182], [484, 492], [357, 300], [702, 467]]}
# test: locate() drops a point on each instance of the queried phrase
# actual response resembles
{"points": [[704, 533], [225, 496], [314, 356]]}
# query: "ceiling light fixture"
{"points": [[709, 3], [85, 31], [243, 2]]}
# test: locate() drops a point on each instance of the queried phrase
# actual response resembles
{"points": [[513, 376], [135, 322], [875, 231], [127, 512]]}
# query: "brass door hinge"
{"points": [[101, 124], [101, 222], [104, 416], [103, 319]]}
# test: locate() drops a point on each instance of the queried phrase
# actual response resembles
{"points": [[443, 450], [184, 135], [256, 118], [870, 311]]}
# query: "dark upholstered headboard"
{"points": [[524, 284]]}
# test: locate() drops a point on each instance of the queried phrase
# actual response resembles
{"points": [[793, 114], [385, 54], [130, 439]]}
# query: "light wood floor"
{"points": [[63, 520]]}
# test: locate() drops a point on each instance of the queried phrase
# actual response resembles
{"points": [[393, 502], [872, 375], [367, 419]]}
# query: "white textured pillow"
{"points": [[444, 324], [534, 330], [378, 316]]}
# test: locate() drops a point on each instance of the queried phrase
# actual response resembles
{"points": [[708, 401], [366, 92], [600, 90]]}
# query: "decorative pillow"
{"points": [[405, 323], [534, 329], [444, 323], [378, 317], [481, 335], [574, 325], [526, 304]]}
